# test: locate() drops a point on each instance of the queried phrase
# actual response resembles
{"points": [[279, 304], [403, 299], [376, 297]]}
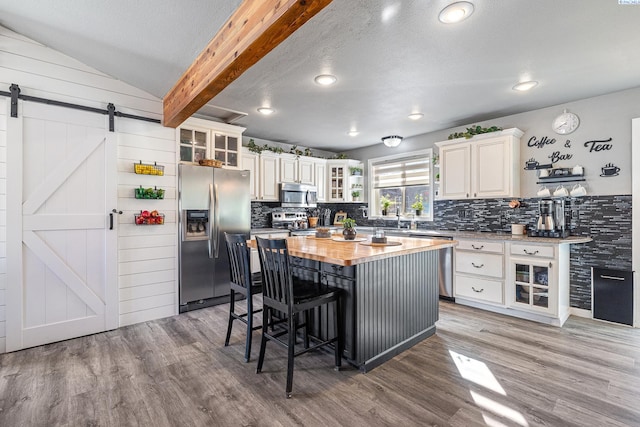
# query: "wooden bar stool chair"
{"points": [[292, 296], [243, 283]]}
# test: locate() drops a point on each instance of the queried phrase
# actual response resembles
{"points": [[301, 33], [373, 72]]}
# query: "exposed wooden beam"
{"points": [[254, 29]]}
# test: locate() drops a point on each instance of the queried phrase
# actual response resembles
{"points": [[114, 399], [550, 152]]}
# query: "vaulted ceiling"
{"points": [[391, 58]]}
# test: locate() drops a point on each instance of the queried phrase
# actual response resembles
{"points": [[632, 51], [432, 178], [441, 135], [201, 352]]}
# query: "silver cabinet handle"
{"points": [[475, 290], [477, 266], [602, 276], [477, 248], [530, 253]]}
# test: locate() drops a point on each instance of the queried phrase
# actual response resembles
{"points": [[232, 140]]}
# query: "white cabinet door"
{"points": [[251, 162], [269, 174], [288, 168], [306, 172], [320, 171], [533, 285], [455, 166], [491, 163]]}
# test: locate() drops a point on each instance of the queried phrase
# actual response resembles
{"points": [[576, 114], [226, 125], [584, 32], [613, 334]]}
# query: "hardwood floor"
{"points": [[479, 369]]}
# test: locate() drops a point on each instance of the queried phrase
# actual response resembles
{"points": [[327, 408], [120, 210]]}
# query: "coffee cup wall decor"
{"points": [[610, 170]]}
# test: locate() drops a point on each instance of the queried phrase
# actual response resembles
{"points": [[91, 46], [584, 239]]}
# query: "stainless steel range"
{"points": [[289, 219]]}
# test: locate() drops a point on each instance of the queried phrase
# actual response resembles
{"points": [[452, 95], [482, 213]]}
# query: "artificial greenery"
{"points": [[474, 130], [349, 223], [417, 205], [253, 147], [355, 194]]}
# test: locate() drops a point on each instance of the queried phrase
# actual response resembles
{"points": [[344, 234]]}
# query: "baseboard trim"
{"points": [[580, 312]]}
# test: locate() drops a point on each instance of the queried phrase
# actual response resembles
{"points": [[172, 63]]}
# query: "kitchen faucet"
{"points": [[398, 216]]}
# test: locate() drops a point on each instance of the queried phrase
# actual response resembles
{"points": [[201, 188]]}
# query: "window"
{"points": [[401, 180]]}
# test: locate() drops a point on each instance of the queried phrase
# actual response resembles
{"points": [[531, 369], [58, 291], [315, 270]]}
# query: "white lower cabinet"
{"points": [[527, 280], [479, 271]]}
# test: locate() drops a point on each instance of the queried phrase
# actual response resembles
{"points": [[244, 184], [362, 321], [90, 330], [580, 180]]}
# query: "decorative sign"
{"points": [[533, 164], [599, 145], [609, 170]]}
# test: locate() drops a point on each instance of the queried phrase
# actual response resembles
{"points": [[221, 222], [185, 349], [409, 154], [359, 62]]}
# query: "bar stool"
{"points": [[243, 283], [292, 296]]}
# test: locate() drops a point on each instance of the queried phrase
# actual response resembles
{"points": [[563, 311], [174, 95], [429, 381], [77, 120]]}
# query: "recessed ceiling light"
{"points": [[325, 79], [456, 12], [525, 86], [266, 110], [353, 133], [416, 116]]}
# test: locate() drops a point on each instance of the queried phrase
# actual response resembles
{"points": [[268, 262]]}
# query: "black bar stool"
{"points": [[243, 283], [289, 295]]}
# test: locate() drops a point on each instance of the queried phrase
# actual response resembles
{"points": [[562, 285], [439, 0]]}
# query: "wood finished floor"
{"points": [[176, 372]]}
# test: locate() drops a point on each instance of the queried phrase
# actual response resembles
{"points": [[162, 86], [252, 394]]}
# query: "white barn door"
{"points": [[64, 269]]}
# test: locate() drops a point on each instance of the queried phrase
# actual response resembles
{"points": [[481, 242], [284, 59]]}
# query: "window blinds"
{"points": [[401, 172]]}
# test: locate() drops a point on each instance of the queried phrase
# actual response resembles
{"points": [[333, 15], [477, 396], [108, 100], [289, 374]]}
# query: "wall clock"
{"points": [[565, 123]]}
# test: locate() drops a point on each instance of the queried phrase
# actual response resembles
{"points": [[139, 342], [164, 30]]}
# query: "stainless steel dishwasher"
{"points": [[445, 263]]}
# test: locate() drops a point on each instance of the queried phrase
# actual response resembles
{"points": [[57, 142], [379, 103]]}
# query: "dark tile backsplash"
{"points": [[607, 219]]}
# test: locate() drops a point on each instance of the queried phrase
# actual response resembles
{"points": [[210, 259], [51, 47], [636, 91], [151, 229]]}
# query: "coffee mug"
{"points": [[578, 190], [577, 170], [543, 173], [560, 191], [543, 192]]}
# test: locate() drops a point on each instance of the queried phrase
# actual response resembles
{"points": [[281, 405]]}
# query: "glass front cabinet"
{"points": [[533, 285], [203, 139]]}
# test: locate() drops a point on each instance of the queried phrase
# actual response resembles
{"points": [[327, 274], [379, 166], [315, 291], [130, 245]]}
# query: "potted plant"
{"points": [[349, 232], [417, 205], [355, 170], [356, 195], [385, 202], [438, 177]]}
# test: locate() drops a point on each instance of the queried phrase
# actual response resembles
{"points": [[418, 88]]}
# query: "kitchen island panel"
{"points": [[396, 306]]}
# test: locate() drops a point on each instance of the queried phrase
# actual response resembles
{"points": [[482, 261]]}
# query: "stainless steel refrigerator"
{"points": [[212, 201]]}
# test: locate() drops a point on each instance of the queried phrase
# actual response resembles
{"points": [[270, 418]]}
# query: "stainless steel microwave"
{"points": [[294, 195]]}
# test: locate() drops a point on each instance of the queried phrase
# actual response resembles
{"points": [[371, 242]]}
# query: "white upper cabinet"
{"points": [[251, 162], [269, 174], [265, 171], [288, 168], [485, 166], [203, 139], [320, 179], [306, 171]]}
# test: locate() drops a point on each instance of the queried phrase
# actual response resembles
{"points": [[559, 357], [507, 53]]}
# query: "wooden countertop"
{"points": [[352, 253]]}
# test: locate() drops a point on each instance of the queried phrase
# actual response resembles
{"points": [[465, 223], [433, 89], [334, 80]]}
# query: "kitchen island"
{"points": [[391, 292]]}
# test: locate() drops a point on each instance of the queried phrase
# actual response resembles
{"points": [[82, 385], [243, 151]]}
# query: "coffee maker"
{"points": [[554, 218]]}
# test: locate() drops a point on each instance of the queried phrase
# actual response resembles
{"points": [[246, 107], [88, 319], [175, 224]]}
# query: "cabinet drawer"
{"points": [[480, 246], [479, 289], [537, 251], [478, 263]]}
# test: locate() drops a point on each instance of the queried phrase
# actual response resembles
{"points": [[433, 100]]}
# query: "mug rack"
{"points": [[561, 175]]}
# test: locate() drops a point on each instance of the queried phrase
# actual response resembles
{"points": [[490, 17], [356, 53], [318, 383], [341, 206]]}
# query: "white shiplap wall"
{"points": [[147, 255], [3, 221]]}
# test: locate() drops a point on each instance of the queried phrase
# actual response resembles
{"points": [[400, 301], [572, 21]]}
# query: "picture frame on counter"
{"points": [[339, 218]]}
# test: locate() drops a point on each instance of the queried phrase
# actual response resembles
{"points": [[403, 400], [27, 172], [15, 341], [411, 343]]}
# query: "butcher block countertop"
{"points": [[351, 253]]}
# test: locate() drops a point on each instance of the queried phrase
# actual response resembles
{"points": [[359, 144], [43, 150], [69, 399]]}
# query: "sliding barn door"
{"points": [[65, 263]]}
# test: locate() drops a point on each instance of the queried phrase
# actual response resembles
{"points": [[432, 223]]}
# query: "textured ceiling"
{"points": [[391, 58]]}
